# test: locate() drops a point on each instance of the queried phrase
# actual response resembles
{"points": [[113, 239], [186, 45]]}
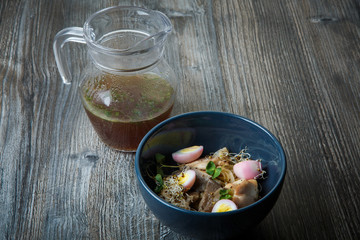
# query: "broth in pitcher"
{"points": [[124, 108]]}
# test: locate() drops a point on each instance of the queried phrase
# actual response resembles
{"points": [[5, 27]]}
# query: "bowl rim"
{"points": [[195, 113]]}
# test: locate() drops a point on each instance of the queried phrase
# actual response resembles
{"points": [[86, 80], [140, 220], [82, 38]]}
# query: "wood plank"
{"points": [[291, 66]]}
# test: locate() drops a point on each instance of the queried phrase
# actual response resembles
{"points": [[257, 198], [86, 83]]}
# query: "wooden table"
{"points": [[292, 66]]}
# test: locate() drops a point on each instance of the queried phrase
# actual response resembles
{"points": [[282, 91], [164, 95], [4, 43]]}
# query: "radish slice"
{"points": [[224, 205], [250, 169], [187, 179], [187, 155]]}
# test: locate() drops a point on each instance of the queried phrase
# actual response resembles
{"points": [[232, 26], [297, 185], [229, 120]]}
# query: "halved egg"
{"points": [[250, 169], [187, 155], [224, 205], [187, 179]]}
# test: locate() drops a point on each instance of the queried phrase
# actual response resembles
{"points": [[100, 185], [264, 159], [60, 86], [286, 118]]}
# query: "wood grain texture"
{"points": [[292, 66]]}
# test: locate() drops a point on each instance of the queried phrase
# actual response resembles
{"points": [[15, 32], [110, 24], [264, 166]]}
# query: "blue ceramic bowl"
{"points": [[213, 130]]}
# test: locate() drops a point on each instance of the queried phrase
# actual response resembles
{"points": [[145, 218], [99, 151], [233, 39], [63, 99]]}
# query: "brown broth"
{"points": [[122, 109]]}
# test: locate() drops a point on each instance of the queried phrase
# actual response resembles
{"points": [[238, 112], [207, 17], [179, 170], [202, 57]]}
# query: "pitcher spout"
{"points": [[152, 38], [148, 42]]}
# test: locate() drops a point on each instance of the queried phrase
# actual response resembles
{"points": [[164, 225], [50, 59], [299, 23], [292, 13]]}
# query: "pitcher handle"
{"points": [[70, 34]]}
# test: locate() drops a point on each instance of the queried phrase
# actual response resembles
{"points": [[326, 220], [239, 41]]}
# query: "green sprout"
{"points": [[212, 170], [160, 159], [159, 183], [159, 162], [224, 194]]}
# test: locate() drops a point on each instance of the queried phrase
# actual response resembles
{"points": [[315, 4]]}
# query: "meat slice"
{"points": [[208, 190], [199, 164], [201, 180], [246, 192], [220, 158], [209, 196]]}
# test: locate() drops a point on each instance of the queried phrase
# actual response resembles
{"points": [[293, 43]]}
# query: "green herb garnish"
{"points": [[212, 170], [159, 162], [160, 159], [224, 194], [216, 173], [159, 183]]}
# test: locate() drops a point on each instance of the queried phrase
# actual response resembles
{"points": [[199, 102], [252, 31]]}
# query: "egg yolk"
{"points": [[189, 149], [224, 208], [188, 154], [183, 178]]}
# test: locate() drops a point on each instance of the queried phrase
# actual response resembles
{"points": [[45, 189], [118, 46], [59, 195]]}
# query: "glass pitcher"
{"points": [[127, 87]]}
